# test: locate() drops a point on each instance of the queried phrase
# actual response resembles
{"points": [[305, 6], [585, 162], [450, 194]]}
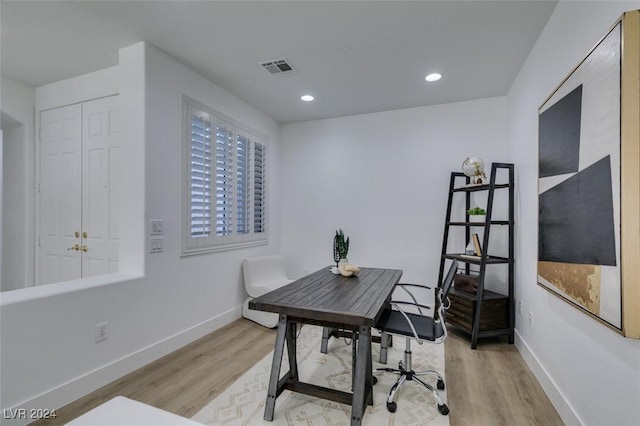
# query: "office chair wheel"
{"points": [[444, 410], [440, 384], [375, 380], [392, 406]]}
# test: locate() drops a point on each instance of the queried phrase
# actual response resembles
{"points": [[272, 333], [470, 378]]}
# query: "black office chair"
{"points": [[395, 320]]}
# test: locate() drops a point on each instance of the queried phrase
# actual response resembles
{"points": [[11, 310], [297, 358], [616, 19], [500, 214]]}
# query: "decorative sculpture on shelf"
{"points": [[474, 168]]}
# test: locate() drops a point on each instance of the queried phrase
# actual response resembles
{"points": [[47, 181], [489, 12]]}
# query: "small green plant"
{"points": [[476, 211], [340, 246]]}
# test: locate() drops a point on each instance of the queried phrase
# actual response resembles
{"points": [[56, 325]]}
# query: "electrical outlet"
{"points": [[530, 319], [102, 331]]}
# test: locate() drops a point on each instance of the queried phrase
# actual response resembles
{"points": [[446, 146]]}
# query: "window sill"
{"points": [[223, 247]]}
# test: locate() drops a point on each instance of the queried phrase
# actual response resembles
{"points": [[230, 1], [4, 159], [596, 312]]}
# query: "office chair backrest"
{"points": [[448, 280]]}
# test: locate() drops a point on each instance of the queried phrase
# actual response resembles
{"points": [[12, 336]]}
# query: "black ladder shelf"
{"points": [[485, 313]]}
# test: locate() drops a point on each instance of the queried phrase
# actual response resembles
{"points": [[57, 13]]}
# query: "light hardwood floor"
{"points": [[492, 385], [489, 386]]}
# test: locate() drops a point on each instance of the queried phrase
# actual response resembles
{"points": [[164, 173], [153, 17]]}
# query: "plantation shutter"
{"points": [[200, 173], [224, 178], [251, 187], [225, 199], [259, 176], [242, 179]]}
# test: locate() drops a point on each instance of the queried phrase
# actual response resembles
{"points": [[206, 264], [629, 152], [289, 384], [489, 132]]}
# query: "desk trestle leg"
{"points": [[363, 381], [272, 391]]}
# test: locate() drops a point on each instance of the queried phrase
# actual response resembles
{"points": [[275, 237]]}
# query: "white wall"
{"points": [[48, 353], [17, 106], [591, 373], [14, 217], [93, 85], [384, 179], [1, 197]]}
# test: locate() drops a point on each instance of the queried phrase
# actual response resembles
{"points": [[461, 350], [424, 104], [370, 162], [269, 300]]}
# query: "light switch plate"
{"points": [[155, 245], [157, 227]]}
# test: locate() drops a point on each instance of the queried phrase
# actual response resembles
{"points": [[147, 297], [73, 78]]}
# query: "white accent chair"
{"points": [[262, 275]]}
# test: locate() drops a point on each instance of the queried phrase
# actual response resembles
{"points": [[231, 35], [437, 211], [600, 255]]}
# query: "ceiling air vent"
{"points": [[279, 67]]}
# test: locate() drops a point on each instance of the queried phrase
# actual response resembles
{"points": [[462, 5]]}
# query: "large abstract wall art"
{"points": [[589, 182]]}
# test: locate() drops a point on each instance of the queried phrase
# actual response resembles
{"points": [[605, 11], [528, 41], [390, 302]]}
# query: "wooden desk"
{"points": [[330, 300]]}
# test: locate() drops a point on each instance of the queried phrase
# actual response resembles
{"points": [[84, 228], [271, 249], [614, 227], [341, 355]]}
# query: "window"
{"points": [[224, 182]]}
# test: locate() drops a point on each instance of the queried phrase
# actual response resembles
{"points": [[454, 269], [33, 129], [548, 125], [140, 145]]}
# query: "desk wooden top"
{"points": [[324, 297]]}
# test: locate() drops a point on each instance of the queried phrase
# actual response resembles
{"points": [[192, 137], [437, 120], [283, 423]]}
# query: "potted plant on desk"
{"points": [[340, 248]]}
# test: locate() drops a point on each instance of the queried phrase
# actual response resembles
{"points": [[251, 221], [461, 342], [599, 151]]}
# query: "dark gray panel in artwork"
{"points": [[576, 219], [559, 135]]}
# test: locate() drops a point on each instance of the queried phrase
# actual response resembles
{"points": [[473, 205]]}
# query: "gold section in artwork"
{"points": [[580, 282]]}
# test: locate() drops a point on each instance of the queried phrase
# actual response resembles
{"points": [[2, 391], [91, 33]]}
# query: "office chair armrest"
{"points": [[443, 305], [404, 302], [424, 287], [413, 329], [413, 285]]}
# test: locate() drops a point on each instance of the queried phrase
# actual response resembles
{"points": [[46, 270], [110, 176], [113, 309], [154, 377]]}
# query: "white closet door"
{"points": [[101, 166], [60, 199]]}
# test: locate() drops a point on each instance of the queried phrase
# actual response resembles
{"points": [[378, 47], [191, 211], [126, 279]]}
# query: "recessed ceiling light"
{"points": [[433, 77], [307, 98]]}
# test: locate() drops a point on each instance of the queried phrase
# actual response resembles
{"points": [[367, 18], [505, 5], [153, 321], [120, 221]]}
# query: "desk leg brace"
{"points": [[272, 391], [362, 386]]}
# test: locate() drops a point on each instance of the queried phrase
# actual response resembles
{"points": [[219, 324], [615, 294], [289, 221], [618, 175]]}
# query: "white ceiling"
{"points": [[353, 56]]}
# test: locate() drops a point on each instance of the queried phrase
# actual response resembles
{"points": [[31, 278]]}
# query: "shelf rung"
{"points": [[493, 222]]}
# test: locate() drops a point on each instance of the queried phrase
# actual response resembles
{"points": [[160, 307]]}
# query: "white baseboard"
{"points": [[564, 408], [72, 390]]}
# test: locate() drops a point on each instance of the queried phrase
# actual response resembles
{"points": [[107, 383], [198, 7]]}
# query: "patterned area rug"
{"points": [[243, 402]]}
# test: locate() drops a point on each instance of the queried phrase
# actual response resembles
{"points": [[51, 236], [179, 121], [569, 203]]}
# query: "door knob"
{"points": [[84, 249], [85, 235], [77, 234], [75, 247]]}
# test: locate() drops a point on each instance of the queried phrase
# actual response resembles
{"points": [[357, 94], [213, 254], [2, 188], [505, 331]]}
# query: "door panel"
{"points": [[100, 144], [60, 193]]}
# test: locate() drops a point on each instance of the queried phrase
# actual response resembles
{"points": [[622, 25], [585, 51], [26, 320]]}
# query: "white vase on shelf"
{"points": [[477, 218]]}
